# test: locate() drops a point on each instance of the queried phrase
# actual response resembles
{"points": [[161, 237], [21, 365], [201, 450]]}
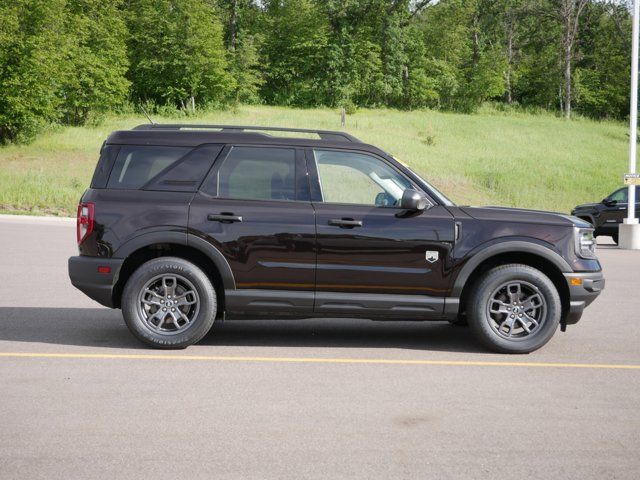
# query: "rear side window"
{"points": [[257, 173], [186, 174], [137, 165]]}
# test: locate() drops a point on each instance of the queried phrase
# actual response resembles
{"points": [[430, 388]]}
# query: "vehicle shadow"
{"points": [[104, 328]]}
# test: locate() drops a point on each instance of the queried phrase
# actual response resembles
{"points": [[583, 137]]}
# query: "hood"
{"points": [[586, 206], [522, 215]]}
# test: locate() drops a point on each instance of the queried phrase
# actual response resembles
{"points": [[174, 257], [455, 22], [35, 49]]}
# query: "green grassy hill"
{"points": [[496, 158]]}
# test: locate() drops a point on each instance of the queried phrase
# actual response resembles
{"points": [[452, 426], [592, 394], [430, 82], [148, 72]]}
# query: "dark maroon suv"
{"points": [[185, 224]]}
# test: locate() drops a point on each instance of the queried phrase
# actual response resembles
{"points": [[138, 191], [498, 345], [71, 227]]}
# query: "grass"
{"points": [[496, 158]]}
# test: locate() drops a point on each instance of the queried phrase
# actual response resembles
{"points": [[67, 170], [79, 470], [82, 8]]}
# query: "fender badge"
{"points": [[431, 256]]}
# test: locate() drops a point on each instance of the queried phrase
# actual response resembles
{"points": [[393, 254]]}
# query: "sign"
{"points": [[632, 178]]}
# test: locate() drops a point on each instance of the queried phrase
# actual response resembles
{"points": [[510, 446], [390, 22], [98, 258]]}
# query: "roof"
{"points": [[190, 135]]}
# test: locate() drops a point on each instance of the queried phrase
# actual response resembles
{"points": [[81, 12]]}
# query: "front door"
{"points": [[614, 213], [254, 208], [372, 257]]}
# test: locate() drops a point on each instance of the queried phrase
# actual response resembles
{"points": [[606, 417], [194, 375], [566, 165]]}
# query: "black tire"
{"points": [[495, 290], [614, 236], [188, 283]]}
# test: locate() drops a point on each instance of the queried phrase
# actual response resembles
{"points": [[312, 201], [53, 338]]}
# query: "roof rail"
{"points": [[323, 134]]}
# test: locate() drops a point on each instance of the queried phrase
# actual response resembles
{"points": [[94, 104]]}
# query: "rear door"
{"points": [[372, 257], [254, 207]]}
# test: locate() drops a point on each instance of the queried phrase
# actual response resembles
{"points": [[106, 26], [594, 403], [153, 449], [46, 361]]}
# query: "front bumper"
{"points": [[86, 275], [582, 294]]}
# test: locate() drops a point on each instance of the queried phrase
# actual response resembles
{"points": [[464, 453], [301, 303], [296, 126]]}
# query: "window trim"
{"points": [[316, 183], [300, 172]]}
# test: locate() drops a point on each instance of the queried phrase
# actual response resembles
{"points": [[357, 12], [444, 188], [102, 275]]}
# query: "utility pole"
{"points": [[629, 230]]}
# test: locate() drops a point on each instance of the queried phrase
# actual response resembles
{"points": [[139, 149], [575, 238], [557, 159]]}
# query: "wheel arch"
{"points": [[533, 255], [176, 244], [587, 218]]}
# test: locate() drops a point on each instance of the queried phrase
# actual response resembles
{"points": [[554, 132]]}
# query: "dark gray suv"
{"points": [[183, 224]]}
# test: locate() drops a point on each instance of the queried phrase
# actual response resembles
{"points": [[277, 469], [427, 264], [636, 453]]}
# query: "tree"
{"points": [[296, 50], [32, 43], [245, 69], [94, 77], [569, 12], [462, 41], [177, 53], [601, 78]]}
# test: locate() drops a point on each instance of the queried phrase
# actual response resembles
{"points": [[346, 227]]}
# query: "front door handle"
{"points": [[224, 217], [345, 222]]}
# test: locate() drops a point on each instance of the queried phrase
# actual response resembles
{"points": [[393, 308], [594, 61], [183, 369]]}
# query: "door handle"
{"points": [[224, 217], [345, 222]]}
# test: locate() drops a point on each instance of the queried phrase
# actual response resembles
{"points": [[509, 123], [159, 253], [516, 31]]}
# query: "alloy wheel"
{"points": [[168, 304], [516, 310]]}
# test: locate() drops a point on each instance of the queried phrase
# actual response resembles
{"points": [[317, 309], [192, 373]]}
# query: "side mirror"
{"points": [[609, 203], [413, 201]]}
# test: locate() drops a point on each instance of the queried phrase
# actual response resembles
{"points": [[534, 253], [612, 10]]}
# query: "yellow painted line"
{"points": [[377, 361]]}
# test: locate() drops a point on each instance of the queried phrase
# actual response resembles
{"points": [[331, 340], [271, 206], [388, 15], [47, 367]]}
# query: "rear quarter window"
{"points": [[136, 165], [108, 155]]}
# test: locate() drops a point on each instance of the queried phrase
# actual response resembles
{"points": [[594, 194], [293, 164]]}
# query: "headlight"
{"points": [[585, 243]]}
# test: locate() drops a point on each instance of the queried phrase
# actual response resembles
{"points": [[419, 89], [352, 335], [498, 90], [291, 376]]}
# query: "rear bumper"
{"points": [[85, 276], [580, 296]]}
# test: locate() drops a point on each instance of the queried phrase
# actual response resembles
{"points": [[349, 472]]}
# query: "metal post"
{"points": [[630, 229], [633, 137]]}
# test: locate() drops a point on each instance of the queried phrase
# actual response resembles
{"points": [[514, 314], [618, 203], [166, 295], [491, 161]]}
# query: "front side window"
{"points": [[356, 178], [620, 196], [257, 173]]}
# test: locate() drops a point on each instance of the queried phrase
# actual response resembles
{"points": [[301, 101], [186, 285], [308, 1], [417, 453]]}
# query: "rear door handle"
{"points": [[345, 222], [224, 217]]}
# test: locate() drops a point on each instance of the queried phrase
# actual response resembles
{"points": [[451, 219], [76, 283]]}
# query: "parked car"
{"points": [[608, 214], [186, 224]]}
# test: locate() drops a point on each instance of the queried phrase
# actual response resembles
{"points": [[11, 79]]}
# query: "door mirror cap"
{"points": [[608, 202], [413, 201]]}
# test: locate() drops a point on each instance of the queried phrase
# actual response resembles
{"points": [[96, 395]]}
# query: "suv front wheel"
{"points": [[514, 309], [168, 303]]}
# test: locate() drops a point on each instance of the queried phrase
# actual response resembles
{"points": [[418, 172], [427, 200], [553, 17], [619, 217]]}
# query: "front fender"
{"points": [[483, 252]]}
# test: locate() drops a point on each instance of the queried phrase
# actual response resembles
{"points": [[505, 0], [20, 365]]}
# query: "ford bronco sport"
{"points": [[184, 224]]}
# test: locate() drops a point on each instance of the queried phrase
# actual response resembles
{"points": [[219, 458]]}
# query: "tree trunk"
{"points": [[567, 81], [570, 11], [476, 42], [233, 25], [509, 97]]}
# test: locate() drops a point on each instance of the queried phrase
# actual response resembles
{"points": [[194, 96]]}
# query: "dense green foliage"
{"points": [[67, 61], [176, 52]]}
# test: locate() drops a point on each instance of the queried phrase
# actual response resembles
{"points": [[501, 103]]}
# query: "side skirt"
{"points": [[300, 304]]}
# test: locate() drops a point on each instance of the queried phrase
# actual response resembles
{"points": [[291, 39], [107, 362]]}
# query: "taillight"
{"points": [[85, 221]]}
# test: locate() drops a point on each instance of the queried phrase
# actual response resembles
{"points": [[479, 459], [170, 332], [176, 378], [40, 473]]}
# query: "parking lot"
{"points": [[81, 398]]}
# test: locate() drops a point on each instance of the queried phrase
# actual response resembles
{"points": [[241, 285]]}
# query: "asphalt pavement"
{"points": [[332, 399]]}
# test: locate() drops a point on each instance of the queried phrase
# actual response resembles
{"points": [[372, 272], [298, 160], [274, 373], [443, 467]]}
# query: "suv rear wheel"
{"points": [[514, 309], [169, 302]]}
